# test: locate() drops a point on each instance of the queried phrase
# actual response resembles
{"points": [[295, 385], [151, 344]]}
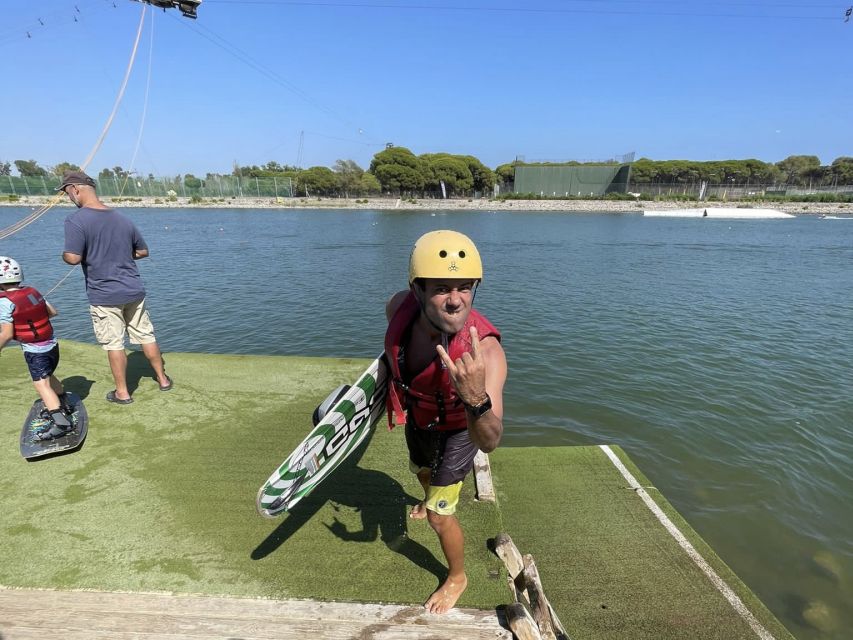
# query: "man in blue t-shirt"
{"points": [[107, 244]]}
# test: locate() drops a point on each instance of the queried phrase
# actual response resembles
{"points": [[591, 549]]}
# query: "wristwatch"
{"points": [[480, 409]]}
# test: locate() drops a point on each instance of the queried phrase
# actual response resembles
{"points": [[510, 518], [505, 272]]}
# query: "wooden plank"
{"points": [[538, 602], [81, 615], [521, 622], [507, 551], [483, 478]]}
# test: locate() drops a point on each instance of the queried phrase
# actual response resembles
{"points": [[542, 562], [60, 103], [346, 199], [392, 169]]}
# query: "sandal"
{"points": [[111, 397], [166, 387]]}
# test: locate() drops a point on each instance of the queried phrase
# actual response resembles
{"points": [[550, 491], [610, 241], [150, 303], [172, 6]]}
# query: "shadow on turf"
{"points": [[138, 367], [382, 503], [79, 385]]}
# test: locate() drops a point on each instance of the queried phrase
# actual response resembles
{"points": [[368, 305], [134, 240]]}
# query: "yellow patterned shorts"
{"points": [[448, 456]]}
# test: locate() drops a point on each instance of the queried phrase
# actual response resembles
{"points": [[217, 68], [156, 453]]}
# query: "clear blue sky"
{"points": [[544, 79]]}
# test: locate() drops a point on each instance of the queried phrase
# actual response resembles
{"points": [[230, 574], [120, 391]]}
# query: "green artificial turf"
{"points": [[609, 567], [161, 496]]}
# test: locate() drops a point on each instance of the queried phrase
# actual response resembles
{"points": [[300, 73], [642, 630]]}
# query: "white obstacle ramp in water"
{"points": [[719, 212]]}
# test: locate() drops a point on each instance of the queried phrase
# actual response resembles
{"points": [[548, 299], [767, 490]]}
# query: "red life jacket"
{"points": [[30, 320], [430, 395]]}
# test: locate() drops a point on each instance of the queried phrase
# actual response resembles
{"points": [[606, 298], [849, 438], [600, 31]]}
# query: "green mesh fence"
{"points": [[134, 186], [571, 180]]}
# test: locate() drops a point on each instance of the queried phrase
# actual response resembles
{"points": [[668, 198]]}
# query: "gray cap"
{"points": [[75, 177]]}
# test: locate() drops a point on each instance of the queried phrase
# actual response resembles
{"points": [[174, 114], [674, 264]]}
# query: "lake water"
{"points": [[717, 353]]}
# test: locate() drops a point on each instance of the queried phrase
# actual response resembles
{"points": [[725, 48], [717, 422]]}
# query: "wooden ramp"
{"points": [[88, 615]]}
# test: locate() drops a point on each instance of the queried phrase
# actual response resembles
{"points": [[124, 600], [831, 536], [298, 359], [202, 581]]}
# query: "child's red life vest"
{"points": [[430, 396], [30, 320]]}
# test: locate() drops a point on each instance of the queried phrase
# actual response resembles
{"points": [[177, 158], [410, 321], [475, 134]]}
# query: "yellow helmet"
{"points": [[445, 254]]}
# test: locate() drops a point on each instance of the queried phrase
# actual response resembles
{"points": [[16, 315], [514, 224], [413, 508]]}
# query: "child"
{"points": [[25, 317]]}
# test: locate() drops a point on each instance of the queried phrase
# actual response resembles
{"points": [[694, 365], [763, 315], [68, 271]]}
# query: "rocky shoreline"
{"points": [[429, 204]]}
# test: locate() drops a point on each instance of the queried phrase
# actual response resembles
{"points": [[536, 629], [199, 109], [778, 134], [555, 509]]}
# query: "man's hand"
{"points": [[467, 373]]}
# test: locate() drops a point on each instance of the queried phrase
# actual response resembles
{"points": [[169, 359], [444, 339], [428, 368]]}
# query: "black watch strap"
{"points": [[481, 408]]}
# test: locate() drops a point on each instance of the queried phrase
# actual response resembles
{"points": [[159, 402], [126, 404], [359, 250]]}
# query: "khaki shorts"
{"points": [[111, 322]]}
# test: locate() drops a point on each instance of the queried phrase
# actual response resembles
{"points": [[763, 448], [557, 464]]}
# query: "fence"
{"points": [[136, 186], [734, 191], [569, 180], [230, 187]]}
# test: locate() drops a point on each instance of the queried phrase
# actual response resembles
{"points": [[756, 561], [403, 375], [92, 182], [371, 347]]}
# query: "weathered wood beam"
{"points": [[507, 551], [483, 478], [522, 623], [538, 601]]}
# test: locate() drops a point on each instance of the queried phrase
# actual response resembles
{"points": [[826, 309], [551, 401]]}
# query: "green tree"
{"points": [[30, 169], [348, 175], [398, 170], [398, 178], [798, 169], [191, 182], [842, 170], [505, 173], [369, 184], [318, 180], [60, 169], [106, 174], [484, 178], [451, 170], [643, 171], [5, 168]]}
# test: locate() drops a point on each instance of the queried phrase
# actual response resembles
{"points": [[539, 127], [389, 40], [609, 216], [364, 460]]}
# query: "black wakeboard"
{"points": [[32, 447]]}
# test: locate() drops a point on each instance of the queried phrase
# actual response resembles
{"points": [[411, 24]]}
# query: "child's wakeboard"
{"points": [[34, 447]]}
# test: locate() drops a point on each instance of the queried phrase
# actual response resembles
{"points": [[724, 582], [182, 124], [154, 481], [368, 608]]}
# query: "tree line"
{"points": [[398, 171]]}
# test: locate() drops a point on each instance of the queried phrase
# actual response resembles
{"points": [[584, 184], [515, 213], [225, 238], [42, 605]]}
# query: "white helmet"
{"points": [[10, 271]]}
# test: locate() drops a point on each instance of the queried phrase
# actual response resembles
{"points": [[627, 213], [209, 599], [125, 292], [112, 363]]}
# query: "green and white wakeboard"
{"points": [[339, 431]]}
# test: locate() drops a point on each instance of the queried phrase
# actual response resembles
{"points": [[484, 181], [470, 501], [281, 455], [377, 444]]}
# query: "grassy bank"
{"points": [[161, 496]]}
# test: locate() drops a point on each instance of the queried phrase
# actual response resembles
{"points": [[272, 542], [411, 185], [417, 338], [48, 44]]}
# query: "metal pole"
{"points": [[275, 185], [257, 186], [12, 185]]}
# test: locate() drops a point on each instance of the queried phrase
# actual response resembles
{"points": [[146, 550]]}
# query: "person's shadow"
{"points": [[138, 367], [79, 386], [382, 502]]}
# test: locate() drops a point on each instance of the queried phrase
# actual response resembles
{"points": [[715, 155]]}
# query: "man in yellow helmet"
{"points": [[448, 370]]}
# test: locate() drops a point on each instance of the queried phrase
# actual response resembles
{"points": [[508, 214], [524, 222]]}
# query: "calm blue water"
{"points": [[717, 353]]}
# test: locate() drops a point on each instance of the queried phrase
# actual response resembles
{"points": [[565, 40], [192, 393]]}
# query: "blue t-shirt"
{"points": [[7, 308], [106, 240]]}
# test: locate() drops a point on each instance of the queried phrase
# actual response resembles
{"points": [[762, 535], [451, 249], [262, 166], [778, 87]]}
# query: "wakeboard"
{"points": [[32, 447], [348, 417]]}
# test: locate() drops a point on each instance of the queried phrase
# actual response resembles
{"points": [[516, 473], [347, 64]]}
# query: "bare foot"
{"points": [[419, 511], [443, 599]]}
